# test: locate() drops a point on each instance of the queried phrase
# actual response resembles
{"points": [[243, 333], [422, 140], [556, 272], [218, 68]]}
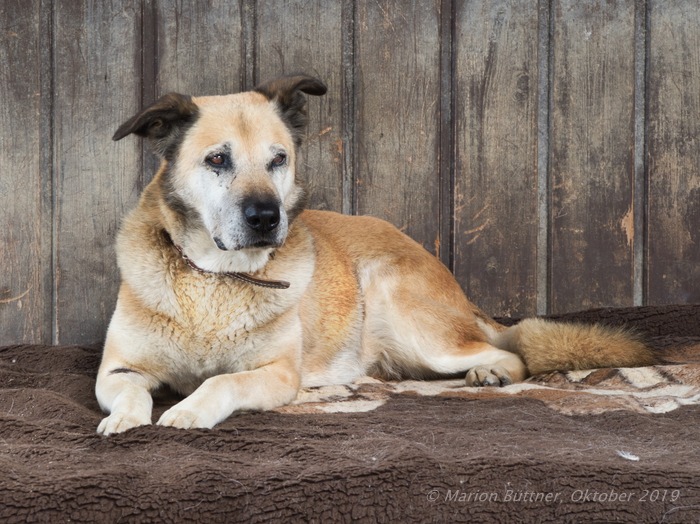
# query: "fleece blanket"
{"points": [[609, 445]]}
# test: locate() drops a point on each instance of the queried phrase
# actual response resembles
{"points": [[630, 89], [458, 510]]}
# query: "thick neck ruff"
{"points": [[243, 277]]}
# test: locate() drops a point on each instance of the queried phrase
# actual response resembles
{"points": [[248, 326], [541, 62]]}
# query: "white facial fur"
{"points": [[247, 130]]}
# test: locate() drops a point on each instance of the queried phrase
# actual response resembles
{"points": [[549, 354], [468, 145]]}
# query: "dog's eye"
{"points": [[217, 160], [279, 160]]}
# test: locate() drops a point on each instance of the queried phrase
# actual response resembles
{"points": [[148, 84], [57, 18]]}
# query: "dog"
{"points": [[235, 296]]}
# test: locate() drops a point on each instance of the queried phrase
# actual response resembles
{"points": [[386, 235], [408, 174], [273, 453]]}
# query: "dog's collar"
{"points": [[244, 277]]}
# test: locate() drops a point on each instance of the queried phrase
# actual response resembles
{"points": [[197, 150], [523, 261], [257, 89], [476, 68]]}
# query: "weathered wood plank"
{"points": [[397, 116], [25, 235], [200, 49], [496, 77], [307, 36], [592, 154], [673, 153], [97, 86]]}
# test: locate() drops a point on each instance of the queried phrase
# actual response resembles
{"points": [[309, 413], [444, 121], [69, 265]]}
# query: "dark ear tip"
{"points": [[310, 85], [288, 84], [159, 118], [125, 129], [317, 88]]}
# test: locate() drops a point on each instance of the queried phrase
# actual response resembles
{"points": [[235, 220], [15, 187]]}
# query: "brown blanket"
{"points": [[599, 446]]}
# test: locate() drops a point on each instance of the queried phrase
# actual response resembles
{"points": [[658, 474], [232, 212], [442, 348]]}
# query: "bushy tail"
{"points": [[546, 346]]}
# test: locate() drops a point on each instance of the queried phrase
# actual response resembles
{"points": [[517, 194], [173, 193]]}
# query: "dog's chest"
{"points": [[198, 325], [210, 326], [215, 314]]}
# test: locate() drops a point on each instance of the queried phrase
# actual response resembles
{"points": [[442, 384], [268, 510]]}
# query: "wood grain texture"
{"points": [[25, 232], [97, 86], [496, 72], [306, 36], [433, 107], [673, 134], [592, 154], [200, 50], [397, 116]]}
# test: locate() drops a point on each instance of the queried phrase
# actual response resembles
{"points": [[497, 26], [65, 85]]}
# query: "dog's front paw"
{"points": [[488, 376], [177, 417], [120, 422]]}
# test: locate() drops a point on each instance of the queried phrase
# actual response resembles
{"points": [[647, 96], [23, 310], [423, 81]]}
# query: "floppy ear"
{"points": [[162, 123], [287, 91]]}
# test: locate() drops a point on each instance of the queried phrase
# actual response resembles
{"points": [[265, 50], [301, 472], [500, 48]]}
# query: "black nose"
{"points": [[262, 216]]}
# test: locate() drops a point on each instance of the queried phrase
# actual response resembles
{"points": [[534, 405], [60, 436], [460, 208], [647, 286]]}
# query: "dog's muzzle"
{"points": [[263, 225]]}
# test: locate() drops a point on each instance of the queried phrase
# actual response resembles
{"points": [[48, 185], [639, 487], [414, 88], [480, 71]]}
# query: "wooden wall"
{"points": [[547, 151]]}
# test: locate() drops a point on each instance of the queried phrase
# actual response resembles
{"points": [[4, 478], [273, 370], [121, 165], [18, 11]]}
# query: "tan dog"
{"points": [[204, 308]]}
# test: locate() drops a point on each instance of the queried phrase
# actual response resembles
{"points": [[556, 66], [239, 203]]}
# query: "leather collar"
{"points": [[244, 277]]}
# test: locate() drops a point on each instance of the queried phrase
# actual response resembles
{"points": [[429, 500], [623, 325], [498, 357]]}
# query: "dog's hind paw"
{"points": [[488, 376], [119, 422]]}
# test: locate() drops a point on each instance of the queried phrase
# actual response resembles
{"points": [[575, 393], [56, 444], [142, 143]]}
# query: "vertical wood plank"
{"points": [[200, 47], [97, 87], [444, 248], [348, 107], [640, 178], [592, 154], [397, 115], [673, 133], [25, 232], [544, 48], [307, 36], [496, 102]]}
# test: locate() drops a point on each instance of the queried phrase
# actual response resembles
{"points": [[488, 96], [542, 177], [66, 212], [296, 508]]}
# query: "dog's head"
{"points": [[229, 161]]}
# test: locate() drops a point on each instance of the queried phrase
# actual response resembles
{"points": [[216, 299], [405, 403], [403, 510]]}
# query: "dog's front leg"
{"points": [[124, 394], [267, 387]]}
